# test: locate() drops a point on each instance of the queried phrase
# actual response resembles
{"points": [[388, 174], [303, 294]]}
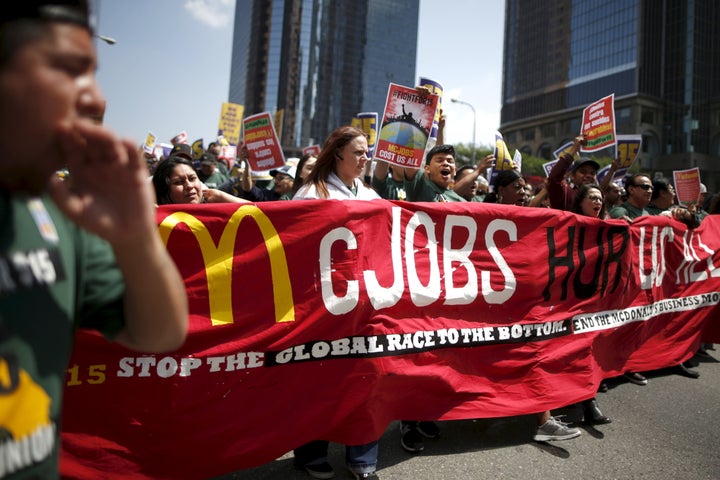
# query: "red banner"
{"points": [[330, 319]]}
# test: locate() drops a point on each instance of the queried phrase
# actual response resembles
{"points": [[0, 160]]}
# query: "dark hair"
{"points": [[28, 20], [161, 178], [297, 181], [714, 205], [630, 179], [505, 178], [439, 149], [660, 185], [326, 159], [460, 170], [581, 194]]}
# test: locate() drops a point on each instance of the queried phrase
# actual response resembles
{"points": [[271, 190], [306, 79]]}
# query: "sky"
{"points": [[169, 68]]}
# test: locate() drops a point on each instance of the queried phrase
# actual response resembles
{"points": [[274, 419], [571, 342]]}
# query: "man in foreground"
{"points": [[79, 252]]}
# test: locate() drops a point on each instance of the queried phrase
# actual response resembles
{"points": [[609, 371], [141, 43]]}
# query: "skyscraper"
{"points": [[320, 61], [659, 57]]}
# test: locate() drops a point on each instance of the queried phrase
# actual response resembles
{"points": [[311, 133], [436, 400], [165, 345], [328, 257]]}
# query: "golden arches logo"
{"points": [[218, 260]]}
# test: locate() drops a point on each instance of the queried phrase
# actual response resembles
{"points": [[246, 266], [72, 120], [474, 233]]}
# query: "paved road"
{"points": [[669, 429]]}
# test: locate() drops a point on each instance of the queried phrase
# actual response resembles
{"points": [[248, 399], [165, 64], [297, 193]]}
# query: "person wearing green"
{"points": [[433, 182], [79, 252]]}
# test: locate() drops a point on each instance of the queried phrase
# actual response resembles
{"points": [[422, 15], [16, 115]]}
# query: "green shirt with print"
{"points": [[422, 189], [54, 278]]}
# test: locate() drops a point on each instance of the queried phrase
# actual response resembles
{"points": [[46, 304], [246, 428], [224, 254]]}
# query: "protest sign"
{"points": [[367, 122], [312, 149], [264, 152], [437, 89], [503, 160], [149, 145], [472, 310], [179, 138], [626, 151], [407, 121], [517, 160], [278, 122], [230, 122], [198, 148], [548, 166], [687, 185], [598, 124]]}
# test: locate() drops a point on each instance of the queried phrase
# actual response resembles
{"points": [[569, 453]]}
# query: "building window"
{"points": [[647, 116], [528, 134], [548, 130]]}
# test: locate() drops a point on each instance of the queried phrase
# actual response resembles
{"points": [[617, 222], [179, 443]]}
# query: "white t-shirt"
{"points": [[337, 190]]}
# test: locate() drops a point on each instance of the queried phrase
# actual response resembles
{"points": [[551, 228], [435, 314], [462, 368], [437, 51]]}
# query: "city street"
{"points": [[665, 430]]}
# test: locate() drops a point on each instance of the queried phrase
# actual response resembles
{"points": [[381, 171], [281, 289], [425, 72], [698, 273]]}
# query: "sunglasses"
{"points": [[644, 186]]}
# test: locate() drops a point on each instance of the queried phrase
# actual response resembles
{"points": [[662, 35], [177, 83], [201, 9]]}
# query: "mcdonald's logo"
{"points": [[218, 261]]}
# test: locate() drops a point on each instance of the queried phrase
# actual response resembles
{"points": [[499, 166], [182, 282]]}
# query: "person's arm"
{"points": [[441, 129], [463, 186], [246, 181], [214, 195], [109, 196], [608, 177], [556, 183], [538, 198]]}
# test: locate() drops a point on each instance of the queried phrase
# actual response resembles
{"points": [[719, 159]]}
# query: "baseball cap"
{"points": [[585, 161], [207, 159], [182, 150], [73, 11], [288, 170]]}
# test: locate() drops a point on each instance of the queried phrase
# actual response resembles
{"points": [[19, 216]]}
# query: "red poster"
{"points": [[331, 319], [406, 125], [687, 185], [598, 124], [264, 152]]}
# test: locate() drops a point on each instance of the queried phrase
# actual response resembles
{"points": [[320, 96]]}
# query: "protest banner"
{"points": [[264, 152], [598, 124], [687, 186], [407, 121], [367, 122], [437, 89], [331, 319], [230, 122]]}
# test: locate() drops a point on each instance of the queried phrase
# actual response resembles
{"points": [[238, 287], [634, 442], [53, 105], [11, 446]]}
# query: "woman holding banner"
{"points": [[335, 176]]}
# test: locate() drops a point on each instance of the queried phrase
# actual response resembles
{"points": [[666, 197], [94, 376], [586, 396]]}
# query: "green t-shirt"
{"points": [[389, 188], [627, 210], [54, 278], [420, 189]]}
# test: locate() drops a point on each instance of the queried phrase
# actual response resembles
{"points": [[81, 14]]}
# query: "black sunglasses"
{"points": [[643, 186]]}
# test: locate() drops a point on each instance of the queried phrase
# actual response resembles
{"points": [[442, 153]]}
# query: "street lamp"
{"points": [[108, 40], [455, 100]]}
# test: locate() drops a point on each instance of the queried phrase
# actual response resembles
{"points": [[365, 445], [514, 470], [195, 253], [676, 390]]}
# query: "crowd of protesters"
{"points": [[339, 171]]}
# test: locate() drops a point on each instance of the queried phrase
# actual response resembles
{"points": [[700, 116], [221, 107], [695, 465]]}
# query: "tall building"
{"points": [[320, 61], [661, 59]]}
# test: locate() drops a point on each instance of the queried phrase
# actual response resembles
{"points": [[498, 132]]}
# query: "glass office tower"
{"points": [[320, 61], [659, 57]]}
